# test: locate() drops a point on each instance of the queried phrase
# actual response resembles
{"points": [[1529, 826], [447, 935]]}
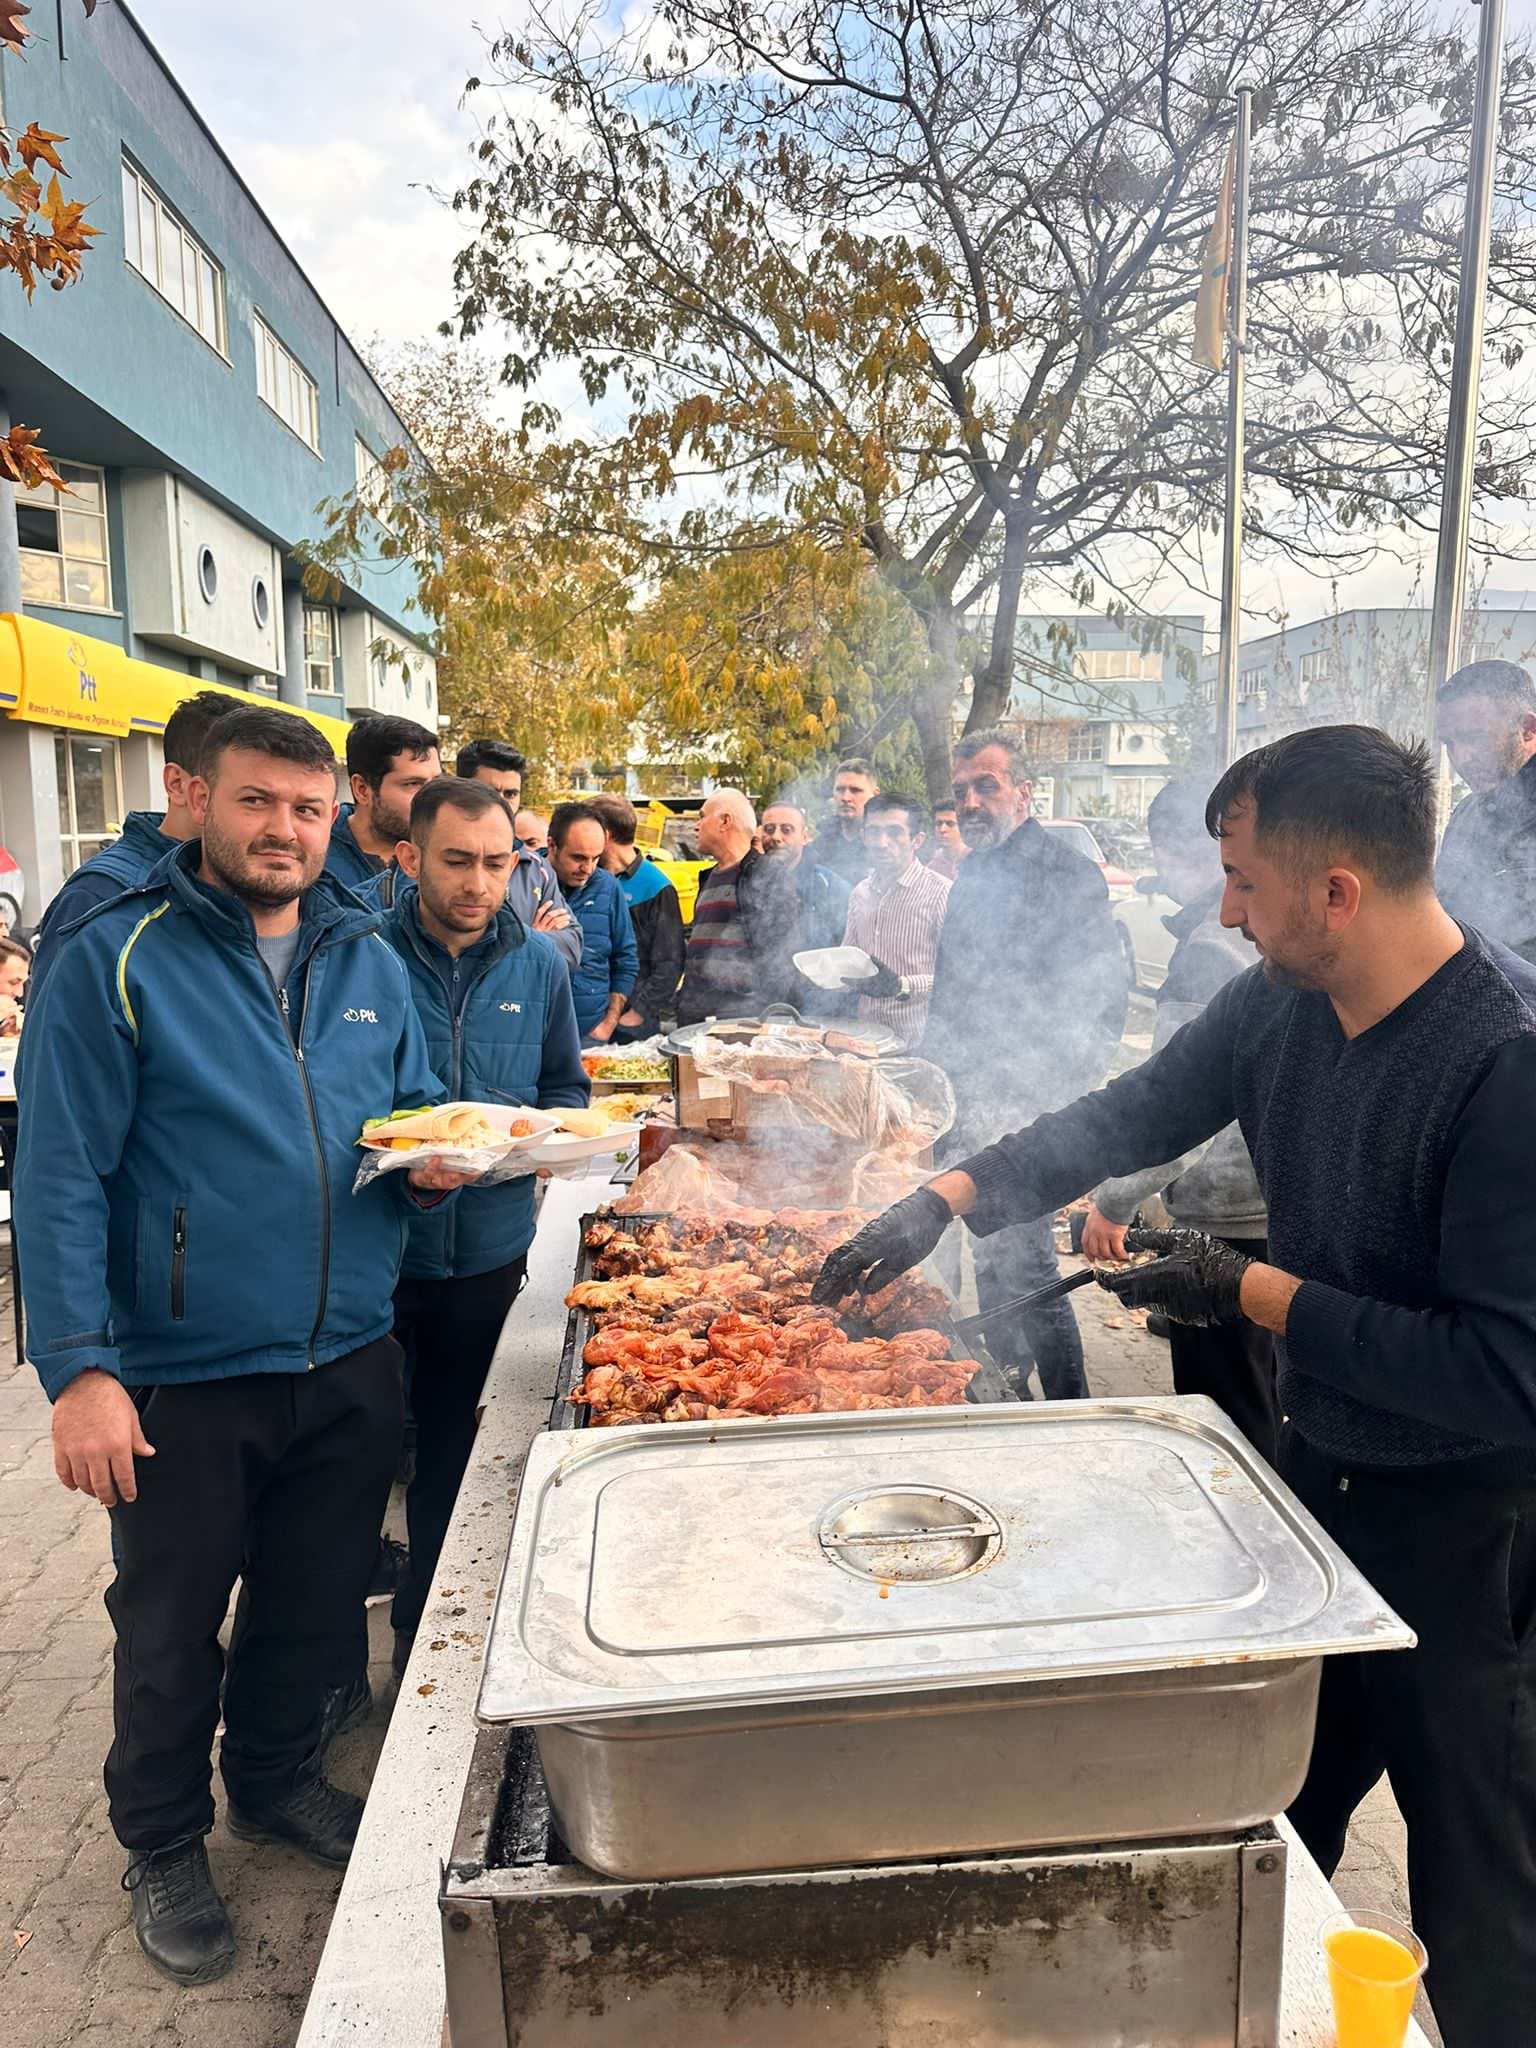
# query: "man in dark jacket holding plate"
{"points": [[495, 1002]]}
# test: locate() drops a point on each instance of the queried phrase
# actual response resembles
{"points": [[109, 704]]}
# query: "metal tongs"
{"points": [[968, 1327]]}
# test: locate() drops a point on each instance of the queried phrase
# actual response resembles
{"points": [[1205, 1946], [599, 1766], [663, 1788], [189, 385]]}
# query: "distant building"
{"points": [[200, 401], [1363, 666], [1099, 702]]}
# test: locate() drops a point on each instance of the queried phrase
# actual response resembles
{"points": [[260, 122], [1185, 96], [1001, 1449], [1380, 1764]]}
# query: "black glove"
{"points": [[885, 981], [1194, 1279], [884, 1249]]}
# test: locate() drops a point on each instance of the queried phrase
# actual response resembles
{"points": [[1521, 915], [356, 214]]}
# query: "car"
{"points": [[1145, 942]]}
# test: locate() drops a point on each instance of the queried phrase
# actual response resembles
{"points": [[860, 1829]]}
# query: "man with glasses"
{"points": [[895, 916], [1027, 1009]]}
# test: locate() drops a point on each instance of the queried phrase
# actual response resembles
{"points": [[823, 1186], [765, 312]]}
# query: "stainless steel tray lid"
{"points": [[824, 1556]]}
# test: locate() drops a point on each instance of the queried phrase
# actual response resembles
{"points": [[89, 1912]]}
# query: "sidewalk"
{"points": [[79, 1976]]}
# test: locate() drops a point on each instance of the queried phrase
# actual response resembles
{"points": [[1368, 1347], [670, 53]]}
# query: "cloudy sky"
{"points": [[344, 117]]}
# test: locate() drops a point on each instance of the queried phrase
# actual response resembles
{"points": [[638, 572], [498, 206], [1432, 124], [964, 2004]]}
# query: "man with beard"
{"points": [[496, 1006], [1487, 870], [209, 1305], [1381, 1065], [1028, 1003], [147, 836], [388, 760]]}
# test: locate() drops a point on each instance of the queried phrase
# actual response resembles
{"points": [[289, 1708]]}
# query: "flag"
{"points": [[1210, 349]]}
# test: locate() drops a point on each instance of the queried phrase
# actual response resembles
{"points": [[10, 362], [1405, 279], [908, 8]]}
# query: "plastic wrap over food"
{"points": [[679, 1180], [900, 1104]]}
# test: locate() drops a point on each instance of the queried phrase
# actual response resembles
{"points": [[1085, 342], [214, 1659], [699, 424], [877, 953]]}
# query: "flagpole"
{"points": [[1232, 529], [1446, 620]]}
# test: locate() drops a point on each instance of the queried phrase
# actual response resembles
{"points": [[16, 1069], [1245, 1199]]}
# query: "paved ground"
{"points": [[71, 1971]]}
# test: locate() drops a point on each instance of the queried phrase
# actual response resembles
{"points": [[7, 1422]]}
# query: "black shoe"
{"points": [[345, 1706], [180, 1920], [389, 1568], [400, 1656], [1158, 1324], [317, 1817]]}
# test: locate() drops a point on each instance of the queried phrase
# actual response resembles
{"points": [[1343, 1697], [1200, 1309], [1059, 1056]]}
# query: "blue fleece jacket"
{"points": [[184, 1197], [506, 1034], [346, 860], [124, 864], [610, 963]]}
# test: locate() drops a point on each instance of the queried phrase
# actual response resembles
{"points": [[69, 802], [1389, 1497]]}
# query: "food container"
{"points": [[863, 1638]]}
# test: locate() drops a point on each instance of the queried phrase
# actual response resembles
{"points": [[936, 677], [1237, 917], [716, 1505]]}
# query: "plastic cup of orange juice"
{"points": [[1374, 1967]]}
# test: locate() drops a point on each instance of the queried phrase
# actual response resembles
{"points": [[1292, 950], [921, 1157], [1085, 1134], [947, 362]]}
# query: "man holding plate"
{"points": [[495, 1001], [209, 1304]]}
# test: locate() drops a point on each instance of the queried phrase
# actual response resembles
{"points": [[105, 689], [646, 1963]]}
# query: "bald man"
{"points": [[744, 922]]}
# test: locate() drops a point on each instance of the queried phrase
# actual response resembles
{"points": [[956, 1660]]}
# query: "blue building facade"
{"points": [[202, 402]]}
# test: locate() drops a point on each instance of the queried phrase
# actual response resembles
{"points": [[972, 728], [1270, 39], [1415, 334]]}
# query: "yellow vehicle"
{"points": [[665, 832]]}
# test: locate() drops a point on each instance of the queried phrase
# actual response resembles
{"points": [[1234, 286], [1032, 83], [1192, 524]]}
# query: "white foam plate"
{"points": [[830, 966], [566, 1148]]}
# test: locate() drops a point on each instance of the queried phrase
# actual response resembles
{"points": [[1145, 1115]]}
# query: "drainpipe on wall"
{"points": [[291, 683]]}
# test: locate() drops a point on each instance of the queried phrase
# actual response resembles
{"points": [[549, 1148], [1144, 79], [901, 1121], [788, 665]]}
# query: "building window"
{"points": [[321, 649], [1117, 664], [1250, 682], [373, 487], [163, 249], [1315, 669], [286, 387], [63, 538], [90, 779], [1085, 743]]}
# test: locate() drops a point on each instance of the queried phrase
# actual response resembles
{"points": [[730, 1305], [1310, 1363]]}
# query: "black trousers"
{"points": [[449, 1329], [1016, 1260], [1235, 1366], [1452, 1723], [277, 1477]]}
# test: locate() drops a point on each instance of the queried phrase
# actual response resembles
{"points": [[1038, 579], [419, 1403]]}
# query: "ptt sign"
{"points": [[87, 680]]}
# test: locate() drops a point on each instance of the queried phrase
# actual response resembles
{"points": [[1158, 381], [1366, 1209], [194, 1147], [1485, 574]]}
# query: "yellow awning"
{"points": [[49, 676]]}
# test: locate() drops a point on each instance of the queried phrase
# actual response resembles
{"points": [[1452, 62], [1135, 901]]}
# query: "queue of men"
{"points": [[1338, 1133]]}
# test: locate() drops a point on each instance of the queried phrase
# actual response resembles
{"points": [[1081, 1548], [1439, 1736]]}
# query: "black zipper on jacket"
{"points": [[297, 1046], [178, 1265], [456, 1082]]}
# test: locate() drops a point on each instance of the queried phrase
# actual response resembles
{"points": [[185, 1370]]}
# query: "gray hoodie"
{"points": [[1213, 1187]]}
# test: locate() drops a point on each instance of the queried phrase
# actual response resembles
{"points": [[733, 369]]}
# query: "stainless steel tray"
{"points": [[819, 1639]]}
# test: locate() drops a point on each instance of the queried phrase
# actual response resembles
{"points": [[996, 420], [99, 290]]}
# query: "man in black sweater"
{"points": [[1381, 1064]]}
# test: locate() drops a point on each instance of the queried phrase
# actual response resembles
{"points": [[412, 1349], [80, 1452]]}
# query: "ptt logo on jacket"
{"points": [[360, 1016], [515, 1008]]}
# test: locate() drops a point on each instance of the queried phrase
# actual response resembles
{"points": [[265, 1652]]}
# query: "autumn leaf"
{"points": [[12, 35], [35, 145], [26, 464]]}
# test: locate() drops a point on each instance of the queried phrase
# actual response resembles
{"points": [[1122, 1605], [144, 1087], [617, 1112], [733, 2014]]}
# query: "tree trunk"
{"points": [[933, 706], [992, 679]]}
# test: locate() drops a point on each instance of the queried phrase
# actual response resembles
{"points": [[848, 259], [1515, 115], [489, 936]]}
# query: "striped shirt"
{"points": [[899, 926]]}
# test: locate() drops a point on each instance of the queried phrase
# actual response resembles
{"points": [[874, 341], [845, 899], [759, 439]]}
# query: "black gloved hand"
{"points": [[884, 1249], [1194, 1279], [885, 981]]}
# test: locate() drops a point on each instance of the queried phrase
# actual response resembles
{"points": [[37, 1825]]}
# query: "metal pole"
{"points": [[1445, 629], [1232, 532]]}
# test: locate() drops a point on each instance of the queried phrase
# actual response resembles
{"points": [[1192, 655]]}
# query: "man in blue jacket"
{"points": [[495, 1001], [147, 836], [388, 760], [209, 1306], [610, 960]]}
